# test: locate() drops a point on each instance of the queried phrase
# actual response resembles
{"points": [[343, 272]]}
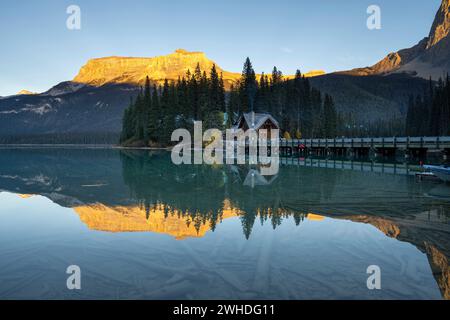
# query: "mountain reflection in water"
{"points": [[139, 191]]}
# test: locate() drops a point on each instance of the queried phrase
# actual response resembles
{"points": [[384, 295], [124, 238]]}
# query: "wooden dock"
{"points": [[414, 146]]}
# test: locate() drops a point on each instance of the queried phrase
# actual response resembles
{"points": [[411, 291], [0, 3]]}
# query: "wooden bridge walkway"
{"points": [[363, 146]]}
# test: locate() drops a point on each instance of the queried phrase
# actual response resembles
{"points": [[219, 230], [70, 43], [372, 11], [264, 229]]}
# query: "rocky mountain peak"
{"points": [[186, 52], [441, 25], [25, 92], [429, 58], [131, 70]]}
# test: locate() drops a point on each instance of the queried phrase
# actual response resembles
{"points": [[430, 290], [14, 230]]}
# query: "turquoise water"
{"points": [[140, 227]]}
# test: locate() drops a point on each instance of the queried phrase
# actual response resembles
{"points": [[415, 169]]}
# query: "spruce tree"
{"points": [[221, 93], [155, 117], [276, 93], [248, 87], [213, 115], [232, 106], [192, 96], [146, 109], [203, 96], [260, 95], [139, 116], [166, 112], [298, 86], [127, 123]]}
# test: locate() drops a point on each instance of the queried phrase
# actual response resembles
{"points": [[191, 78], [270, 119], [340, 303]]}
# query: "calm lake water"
{"points": [[140, 227]]}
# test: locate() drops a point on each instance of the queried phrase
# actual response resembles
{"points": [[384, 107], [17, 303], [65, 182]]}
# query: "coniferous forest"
{"points": [[302, 111], [429, 115]]}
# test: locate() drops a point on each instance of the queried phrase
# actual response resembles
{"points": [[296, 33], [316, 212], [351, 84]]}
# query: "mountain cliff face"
{"points": [[429, 58], [441, 25], [393, 61], [129, 70]]}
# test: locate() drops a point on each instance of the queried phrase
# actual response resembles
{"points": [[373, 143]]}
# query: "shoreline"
{"points": [[87, 146], [44, 145], [142, 148]]}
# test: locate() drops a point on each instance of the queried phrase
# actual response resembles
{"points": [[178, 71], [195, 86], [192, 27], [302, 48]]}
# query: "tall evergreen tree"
{"points": [[214, 90], [203, 95], [276, 93], [298, 86], [154, 116], [221, 93], [166, 111], [139, 116], [146, 105], [248, 87], [233, 106], [128, 124]]}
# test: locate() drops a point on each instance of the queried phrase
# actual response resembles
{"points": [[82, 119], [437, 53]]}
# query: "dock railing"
{"points": [[442, 142]]}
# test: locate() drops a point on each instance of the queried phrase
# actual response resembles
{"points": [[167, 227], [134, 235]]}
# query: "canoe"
{"points": [[442, 172]]}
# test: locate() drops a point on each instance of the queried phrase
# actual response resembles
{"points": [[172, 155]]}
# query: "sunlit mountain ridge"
{"points": [[134, 70]]}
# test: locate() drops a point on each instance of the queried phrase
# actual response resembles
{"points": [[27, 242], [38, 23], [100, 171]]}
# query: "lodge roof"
{"points": [[256, 120]]}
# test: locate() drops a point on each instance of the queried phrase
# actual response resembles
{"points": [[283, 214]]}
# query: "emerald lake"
{"points": [[140, 227]]}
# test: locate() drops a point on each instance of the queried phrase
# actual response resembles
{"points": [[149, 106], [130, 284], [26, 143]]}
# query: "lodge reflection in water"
{"points": [[126, 191], [205, 195], [199, 192], [378, 200]]}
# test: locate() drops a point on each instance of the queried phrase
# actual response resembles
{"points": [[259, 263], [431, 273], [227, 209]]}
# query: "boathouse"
{"points": [[256, 121]]}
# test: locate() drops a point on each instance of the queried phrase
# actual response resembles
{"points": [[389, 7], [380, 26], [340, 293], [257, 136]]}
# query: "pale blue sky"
{"points": [[38, 51]]}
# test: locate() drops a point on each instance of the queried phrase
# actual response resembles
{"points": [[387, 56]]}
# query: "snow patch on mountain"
{"points": [[63, 88]]}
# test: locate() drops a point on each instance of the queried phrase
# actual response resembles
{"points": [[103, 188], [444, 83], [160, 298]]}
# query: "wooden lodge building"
{"points": [[256, 121]]}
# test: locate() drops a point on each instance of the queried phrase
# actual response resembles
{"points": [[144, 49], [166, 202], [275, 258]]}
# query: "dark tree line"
{"points": [[158, 110], [301, 110], [350, 126], [429, 114]]}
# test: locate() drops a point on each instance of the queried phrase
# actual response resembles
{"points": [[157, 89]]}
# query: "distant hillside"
{"points": [[371, 97], [84, 109], [100, 109], [88, 109]]}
